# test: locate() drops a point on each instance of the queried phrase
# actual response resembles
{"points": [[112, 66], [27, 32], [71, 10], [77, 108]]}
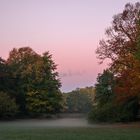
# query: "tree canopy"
{"points": [[123, 48], [34, 80]]}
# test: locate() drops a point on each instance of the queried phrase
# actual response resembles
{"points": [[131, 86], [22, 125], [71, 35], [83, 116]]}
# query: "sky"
{"points": [[69, 29]]}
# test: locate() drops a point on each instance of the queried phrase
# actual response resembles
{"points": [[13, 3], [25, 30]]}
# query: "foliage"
{"points": [[128, 110], [122, 47], [137, 53], [39, 103], [127, 85], [104, 87], [104, 109], [6, 80], [31, 79], [18, 62], [8, 107], [106, 113], [80, 100], [111, 112], [121, 36], [108, 107]]}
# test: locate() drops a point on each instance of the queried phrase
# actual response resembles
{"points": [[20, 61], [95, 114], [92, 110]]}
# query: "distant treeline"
{"points": [[80, 100]]}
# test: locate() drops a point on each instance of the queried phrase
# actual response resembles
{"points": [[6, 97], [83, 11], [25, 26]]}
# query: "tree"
{"points": [[104, 87], [122, 37], [36, 78], [108, 107], [45, 85], [122, 47], [17, 62]]}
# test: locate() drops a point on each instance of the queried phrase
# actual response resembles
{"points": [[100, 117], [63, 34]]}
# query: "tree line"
{"points": [[80, 100]]}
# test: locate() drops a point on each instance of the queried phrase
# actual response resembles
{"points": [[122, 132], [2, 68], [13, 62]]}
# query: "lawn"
{"points": [[68, 133]]}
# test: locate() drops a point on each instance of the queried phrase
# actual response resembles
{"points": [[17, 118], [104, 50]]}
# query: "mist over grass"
{"points": [[48, 123], [67, 129]]}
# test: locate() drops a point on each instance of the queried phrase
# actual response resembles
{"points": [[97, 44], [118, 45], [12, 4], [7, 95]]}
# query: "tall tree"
{"points": [[36, 79], [122, 47], [121, 42], [18, 62], [45, 86], [104, 88]]}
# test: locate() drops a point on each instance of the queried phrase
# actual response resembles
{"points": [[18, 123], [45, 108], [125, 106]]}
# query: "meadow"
{"points": [[35, 130]]}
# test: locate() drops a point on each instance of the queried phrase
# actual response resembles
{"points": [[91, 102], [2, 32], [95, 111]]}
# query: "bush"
{"points": [[8, 107]]}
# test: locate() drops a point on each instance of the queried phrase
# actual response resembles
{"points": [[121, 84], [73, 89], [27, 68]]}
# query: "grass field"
{"points": [[69, 134], [14, 131]]}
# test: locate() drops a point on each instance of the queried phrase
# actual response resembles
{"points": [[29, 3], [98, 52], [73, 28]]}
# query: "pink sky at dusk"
{"points": [[69, 29]]}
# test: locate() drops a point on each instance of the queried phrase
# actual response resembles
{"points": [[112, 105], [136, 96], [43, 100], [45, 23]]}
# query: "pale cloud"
{"points": [[71, 73]]}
